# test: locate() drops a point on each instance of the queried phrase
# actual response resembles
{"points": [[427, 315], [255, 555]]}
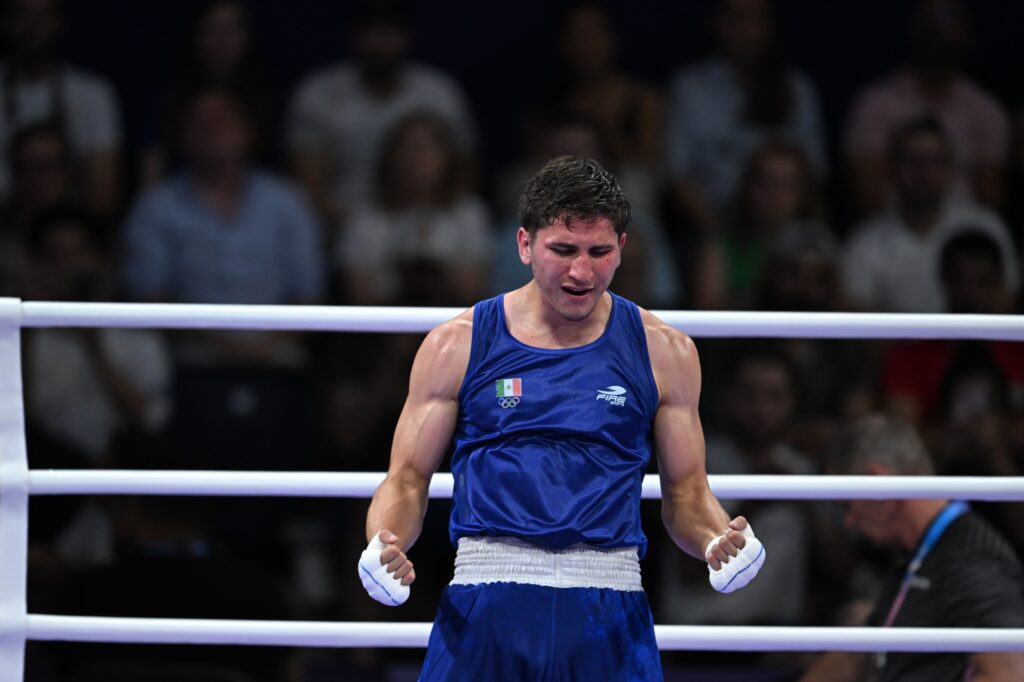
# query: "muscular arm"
{"points": [[690, 512], [424, 432]]}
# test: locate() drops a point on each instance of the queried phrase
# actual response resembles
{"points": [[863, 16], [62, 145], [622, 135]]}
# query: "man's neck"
{"points": [[918, 515], [535, 319]]}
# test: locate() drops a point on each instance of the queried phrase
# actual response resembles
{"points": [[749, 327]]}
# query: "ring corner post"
{"points": [[13, 497]]}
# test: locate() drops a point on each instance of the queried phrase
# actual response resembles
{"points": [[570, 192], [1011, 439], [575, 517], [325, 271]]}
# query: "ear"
{"points": [[622, 241], [524, 246]]}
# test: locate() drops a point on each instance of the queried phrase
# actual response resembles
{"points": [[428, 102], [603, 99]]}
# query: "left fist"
{"points": [[735, 557]]}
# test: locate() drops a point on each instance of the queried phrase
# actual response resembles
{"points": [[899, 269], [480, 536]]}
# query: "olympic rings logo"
{"points": [[508, 402]]}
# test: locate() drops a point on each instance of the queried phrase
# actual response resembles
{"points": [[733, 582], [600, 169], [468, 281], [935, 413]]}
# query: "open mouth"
{"points": [[575, 292]]}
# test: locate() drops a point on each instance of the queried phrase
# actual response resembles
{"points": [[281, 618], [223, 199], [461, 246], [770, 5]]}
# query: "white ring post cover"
{"points": [[13, 497]]}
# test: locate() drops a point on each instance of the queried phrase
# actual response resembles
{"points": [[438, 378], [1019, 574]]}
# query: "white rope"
{"points": [[334, 484], [353, 634], [399, 319]]}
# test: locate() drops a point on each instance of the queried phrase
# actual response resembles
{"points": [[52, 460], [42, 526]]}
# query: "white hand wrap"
{"points": [[380, 584], [741, 568]]}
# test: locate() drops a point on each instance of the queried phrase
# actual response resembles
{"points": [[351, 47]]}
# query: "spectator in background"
{"points": [[589, 85], [224, 231], [974, 282], [760, 398], [88, 392], [892, 259], [35, 85], [83, 386], [966, 396], [968, 576], [40, 162], [340, 116], [218, 52], [422, 240], [800, 270], [835, 377], [777, 188], [933, 83], [723, 109]]}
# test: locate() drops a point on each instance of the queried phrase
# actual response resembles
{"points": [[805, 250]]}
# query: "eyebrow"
{"points": [[569, 245]]}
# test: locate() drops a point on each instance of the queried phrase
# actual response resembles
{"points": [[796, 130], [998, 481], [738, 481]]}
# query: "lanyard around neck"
{"points": [[949, 513]]}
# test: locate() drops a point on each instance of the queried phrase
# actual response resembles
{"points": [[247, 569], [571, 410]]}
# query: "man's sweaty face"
{"points": [[573, 264]]}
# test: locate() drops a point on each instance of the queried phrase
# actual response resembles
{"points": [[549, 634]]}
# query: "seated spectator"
{"points": [[777, 188], [835, 377], [724, 108], [760, 398], [963, 573], [892, 260], [224, 231], [88, 392], [422, 240], [36, 85], [974, 282], [933, 83], [40, 163], [218, 52], [800, 270], [966, 395], [340, 116], [84, 386]]}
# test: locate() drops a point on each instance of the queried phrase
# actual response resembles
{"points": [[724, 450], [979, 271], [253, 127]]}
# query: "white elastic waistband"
{"points": [[508, 560]]}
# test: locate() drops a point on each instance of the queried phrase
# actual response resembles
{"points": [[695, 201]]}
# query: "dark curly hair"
{"points": [[568, 188]]}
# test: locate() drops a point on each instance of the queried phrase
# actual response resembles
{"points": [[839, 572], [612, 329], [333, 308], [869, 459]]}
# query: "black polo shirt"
{"points": [[971, 579]]}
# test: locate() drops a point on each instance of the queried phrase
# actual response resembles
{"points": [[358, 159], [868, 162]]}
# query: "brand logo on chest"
{"points": [[615, 395]]}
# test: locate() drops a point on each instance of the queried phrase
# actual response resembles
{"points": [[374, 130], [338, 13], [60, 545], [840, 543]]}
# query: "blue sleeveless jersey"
{"points": [[551, 445]]}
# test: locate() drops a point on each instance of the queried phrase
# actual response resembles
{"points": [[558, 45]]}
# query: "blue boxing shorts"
{"points": [[518, 612]]}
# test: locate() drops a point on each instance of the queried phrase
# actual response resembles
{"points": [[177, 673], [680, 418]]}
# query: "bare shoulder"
{"points": [[451, 337], [674, 358], [443, 357]]}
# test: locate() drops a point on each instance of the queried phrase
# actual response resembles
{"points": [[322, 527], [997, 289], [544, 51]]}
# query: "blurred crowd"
{"points": [[369, 181]]}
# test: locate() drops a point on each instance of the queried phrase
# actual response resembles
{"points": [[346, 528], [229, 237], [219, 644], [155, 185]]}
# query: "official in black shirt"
{"points": [[958, 572]]}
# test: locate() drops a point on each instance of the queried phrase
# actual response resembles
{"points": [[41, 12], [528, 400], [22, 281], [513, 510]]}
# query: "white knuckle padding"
{"points": [[741, 568], [380, 584]]}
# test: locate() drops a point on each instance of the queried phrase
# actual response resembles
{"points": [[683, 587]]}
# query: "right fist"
{"points": [[385, 570]]}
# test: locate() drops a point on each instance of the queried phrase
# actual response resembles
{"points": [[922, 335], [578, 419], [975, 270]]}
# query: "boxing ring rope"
{"points": [[397, 319], [396, 635], [331, 484], [17, 482]]}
